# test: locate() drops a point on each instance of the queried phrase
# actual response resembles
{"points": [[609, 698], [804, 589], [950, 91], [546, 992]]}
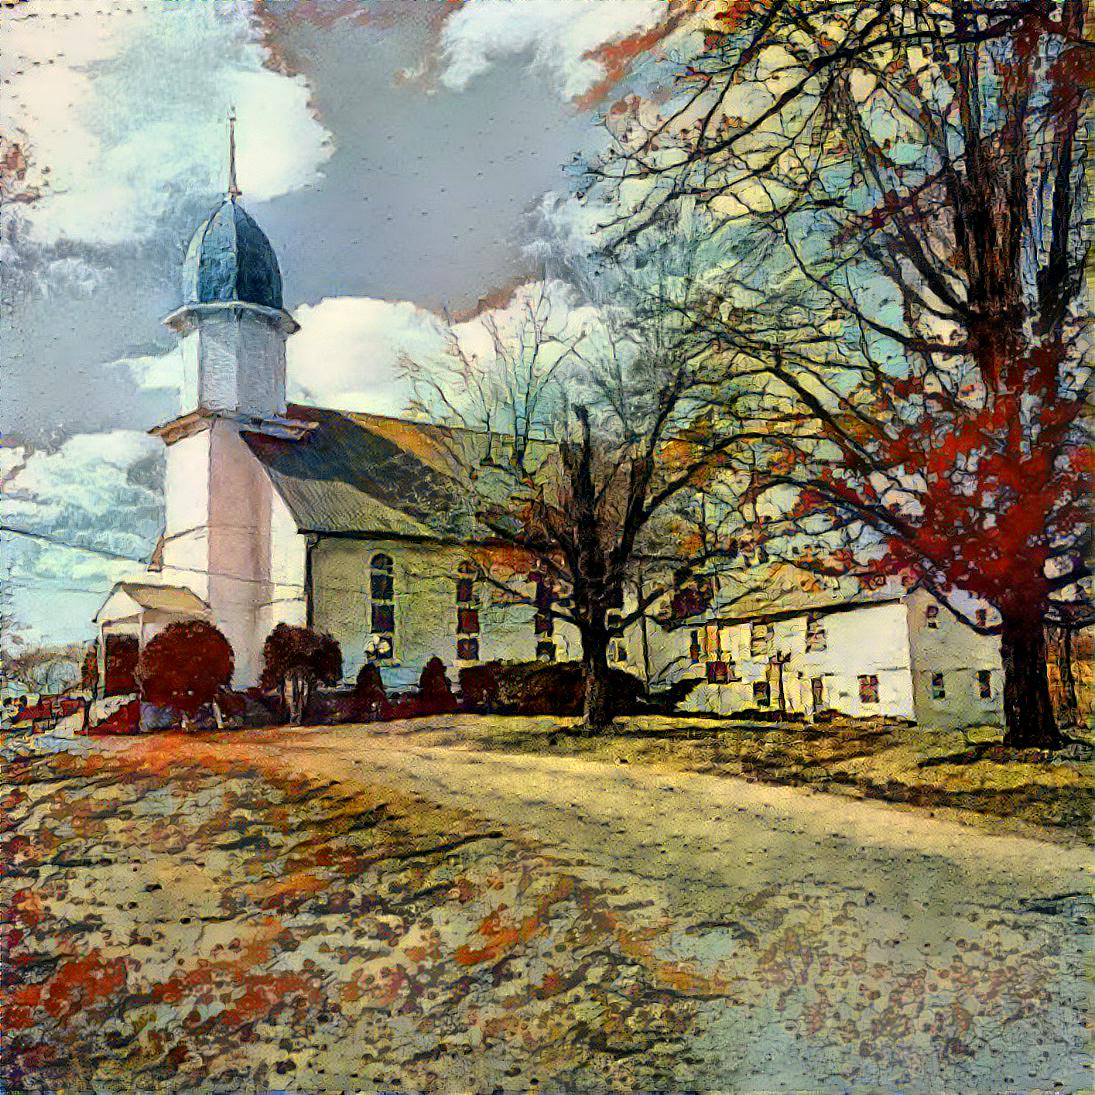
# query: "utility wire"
{"points": [[56, 541]]}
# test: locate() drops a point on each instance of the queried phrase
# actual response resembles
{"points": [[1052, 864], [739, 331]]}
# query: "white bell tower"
{"points": [[220, 508], [232, 326]]}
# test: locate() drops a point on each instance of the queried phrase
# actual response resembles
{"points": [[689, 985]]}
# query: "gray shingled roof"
{"points": [[368, 474]]}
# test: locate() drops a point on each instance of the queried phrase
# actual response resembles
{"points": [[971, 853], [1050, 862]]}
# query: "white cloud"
{"points": [[348, 350], [155, 371], [124, 109], [99, 491], [91, 490], [560, 35]]}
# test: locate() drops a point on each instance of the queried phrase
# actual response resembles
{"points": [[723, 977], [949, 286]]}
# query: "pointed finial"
{"points": [[233, 189]]}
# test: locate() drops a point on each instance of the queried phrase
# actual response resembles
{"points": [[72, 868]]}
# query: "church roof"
{"points": [[230, 259], [369, 474]]}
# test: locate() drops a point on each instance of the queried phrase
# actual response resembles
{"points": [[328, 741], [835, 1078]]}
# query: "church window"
{"points": [[467, 614], [382, 608], [984, 683], [381, 585], [932, 616]]}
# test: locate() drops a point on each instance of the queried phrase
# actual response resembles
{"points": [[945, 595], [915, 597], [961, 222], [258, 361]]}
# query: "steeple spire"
{"points": [[233, 189]]}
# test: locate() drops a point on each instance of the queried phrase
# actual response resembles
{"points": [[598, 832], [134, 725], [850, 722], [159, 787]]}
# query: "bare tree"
{"points": [[580, 434]]}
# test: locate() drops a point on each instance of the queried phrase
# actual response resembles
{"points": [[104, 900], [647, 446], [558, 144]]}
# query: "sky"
{"points": [[406, 158]]}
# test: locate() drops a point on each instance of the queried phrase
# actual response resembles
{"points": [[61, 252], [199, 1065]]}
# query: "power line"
{"points": [[119, 557]]}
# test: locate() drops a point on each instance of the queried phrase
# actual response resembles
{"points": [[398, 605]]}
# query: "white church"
{"points": [[354, 524]]}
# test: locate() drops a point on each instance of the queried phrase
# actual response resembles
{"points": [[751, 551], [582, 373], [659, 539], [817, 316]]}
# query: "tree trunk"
{"points": [[1070, 707], [597, 710], [296, 696], [1028, 710]]}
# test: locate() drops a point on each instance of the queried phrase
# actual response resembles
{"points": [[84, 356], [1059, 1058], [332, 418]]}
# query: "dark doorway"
{"points": [[121, 665]]}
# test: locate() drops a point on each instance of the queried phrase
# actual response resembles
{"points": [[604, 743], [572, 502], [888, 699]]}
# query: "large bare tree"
{"points": [[579, 432]]}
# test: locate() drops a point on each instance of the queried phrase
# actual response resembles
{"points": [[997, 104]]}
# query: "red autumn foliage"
{"points": [[185, 666], [295, 660], [957, 432]]}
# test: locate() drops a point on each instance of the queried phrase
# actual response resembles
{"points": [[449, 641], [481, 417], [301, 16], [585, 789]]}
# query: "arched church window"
{"points": [[467, 613], [382, 606]]}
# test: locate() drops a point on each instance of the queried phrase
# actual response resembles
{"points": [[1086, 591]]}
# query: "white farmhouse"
{"points": [[796, 643]]}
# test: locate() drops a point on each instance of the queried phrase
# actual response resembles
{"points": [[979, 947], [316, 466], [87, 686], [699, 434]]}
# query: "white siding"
{"points": [[870, 640], [240, 361], [958, 653], [186, 513], [425, 609]]}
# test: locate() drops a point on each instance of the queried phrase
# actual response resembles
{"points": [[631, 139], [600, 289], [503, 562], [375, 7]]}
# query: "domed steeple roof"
{"points": [[230, 259]]}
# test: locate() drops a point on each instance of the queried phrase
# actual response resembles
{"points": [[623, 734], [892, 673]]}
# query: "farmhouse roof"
{"points": [[781, 590]]}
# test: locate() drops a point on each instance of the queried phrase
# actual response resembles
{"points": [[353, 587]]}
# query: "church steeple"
{"points": [[233, 187], [232, 323]]}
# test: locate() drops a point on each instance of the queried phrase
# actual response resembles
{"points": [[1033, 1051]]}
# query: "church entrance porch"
{"points": [[130, 616]]}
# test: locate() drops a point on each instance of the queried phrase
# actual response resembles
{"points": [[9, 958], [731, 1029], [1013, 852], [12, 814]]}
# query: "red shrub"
{"points": [[434, 690], [295, 660], [185, 666]]}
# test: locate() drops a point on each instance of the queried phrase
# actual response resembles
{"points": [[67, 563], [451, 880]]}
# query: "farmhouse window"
{"points": [[762, 693], [815, 634], [695, 651], [545, 650], [760, 640], [931, 616], [984, 683], [718, 672], [939, 688], [868, 688], [617, 648]]}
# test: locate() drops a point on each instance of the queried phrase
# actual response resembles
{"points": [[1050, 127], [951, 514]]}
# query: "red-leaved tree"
{"points": [[901, 189], [295, 660], [185, 666]]}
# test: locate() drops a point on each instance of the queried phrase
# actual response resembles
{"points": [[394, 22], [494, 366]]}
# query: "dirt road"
{"points": [[858, 942], [580, 926]]}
